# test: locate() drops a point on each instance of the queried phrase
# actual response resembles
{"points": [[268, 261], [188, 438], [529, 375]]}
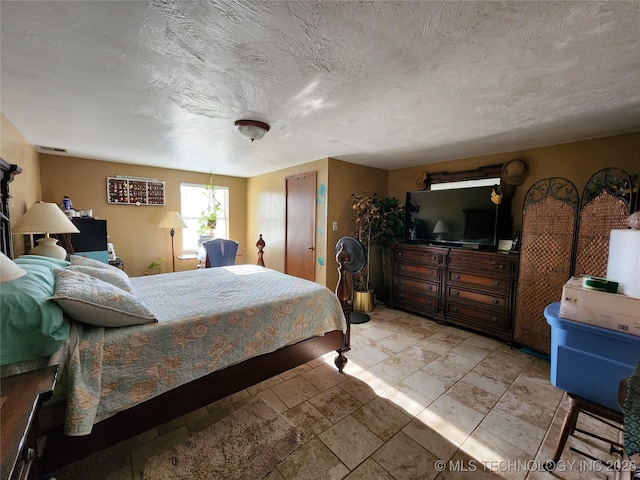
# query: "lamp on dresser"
{"points": [[172, 220], [47, 218]]}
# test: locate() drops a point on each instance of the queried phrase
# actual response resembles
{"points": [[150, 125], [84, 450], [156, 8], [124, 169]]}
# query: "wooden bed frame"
{"points": [[61, 450]]}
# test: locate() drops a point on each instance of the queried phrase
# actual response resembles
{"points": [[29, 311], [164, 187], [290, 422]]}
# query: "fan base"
{"points": [[359, 317]]}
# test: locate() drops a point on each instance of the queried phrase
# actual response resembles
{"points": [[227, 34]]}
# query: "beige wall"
{"points": [[133, 230], [258, 203], [576, 161], [266, 214], [25, 188], [344, 180], [266, 211]]}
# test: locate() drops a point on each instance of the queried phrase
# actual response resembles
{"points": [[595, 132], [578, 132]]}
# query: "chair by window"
{"points": [[220, 252]]}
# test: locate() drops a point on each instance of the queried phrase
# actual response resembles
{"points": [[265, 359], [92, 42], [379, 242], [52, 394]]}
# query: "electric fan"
{"points": [[358, 259]]}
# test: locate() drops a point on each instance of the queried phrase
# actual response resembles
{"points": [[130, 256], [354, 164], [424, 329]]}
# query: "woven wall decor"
{"points": [[604, 207], [548, 231]]}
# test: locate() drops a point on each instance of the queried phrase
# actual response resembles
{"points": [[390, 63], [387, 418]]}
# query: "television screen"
{"points": [[461, 216]]}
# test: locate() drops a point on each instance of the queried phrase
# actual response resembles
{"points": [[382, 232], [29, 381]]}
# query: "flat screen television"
{"points": [[459, 217]]}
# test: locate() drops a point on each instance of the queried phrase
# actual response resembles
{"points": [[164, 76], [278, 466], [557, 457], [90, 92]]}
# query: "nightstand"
{"points": [[21, 443]]}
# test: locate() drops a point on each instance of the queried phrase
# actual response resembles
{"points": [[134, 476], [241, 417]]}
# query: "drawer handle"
{"points": [[457, 276], [401, 267], [496, 283], [430, 303], [455, 309], [456, 292], [494, 320], [402, 295], [430, 272], [430, 288], [399, 254], [401, 281], [500, 266], [495, 301]]}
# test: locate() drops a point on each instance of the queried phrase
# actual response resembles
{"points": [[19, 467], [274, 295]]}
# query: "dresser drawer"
{"points": [[467, 314], [501, 285], [426, 303], [497, 302], [497, 263], [426, 288], [422, 256], [417, 271]]}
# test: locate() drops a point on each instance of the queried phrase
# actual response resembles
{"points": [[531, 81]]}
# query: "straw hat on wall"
{"points": [[514, 172]]}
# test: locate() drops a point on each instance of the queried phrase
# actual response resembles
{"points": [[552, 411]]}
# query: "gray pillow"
{"points": [[112, 275], [90, 300]]}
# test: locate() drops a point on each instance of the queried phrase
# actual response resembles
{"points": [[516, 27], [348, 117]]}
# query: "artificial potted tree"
{"points": [[390, 228], [378, 221]]}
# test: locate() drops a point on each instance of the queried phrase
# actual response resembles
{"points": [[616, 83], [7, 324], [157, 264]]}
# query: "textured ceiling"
{"points": [[387, 84]]}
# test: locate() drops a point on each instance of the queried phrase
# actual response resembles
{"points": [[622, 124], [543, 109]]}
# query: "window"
{"points": [[193, 200], [485, 182]]}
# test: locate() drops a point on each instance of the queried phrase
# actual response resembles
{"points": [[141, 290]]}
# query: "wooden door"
{"points": [[300, 255]]}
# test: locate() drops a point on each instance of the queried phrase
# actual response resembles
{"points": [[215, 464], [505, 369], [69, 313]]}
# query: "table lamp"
{"points": [[440, 228], [47, 218], [9, 270], [172, 220]]}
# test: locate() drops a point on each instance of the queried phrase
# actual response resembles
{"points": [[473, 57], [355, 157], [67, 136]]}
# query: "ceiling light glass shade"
{"points": [[9, 270], [172, 220], [252, 129], [46, 218]]}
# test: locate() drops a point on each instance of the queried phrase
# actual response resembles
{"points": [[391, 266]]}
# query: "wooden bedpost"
{"points": [[260, 244], [342, 289], [344, 295]]}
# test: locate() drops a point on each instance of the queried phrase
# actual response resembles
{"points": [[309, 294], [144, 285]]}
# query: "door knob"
{"points": [[309, 247]]}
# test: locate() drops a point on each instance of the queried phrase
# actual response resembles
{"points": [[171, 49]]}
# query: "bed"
{"points": [[216, 331]]}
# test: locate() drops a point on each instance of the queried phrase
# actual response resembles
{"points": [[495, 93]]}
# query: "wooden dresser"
{"points": [[468, 288], [21, 444], [418, 274]]}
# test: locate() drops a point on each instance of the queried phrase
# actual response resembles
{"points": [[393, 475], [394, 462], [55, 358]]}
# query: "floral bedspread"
{"points": [[208, 319]]}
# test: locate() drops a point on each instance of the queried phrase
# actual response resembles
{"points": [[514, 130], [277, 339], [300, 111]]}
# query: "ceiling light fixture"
{"points": [[252, 129]]}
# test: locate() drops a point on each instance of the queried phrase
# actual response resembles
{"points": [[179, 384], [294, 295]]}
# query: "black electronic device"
{"points": [[92, 236], [465, 217]]}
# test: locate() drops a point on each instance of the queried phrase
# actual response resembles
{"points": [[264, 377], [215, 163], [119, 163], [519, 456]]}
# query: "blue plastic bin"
{"points": [[589, 361]]}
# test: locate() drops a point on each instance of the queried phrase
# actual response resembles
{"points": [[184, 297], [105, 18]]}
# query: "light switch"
{"points": [[335, 226]]}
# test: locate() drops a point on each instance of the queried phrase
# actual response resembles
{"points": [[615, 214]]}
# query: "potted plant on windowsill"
{"points": [[378, 221], [209, 216]]}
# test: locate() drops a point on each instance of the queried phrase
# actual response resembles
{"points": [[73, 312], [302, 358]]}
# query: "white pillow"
{"points": [[90, 300]]}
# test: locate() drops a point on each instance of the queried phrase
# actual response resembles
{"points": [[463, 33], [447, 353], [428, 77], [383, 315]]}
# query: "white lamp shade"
{"points": [[172, 220], [440, 227], [47, 218], [9, 270]]}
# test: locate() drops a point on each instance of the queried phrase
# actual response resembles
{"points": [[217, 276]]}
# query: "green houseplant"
{"points": [[378, 220], [209, 216], [155, 267]]}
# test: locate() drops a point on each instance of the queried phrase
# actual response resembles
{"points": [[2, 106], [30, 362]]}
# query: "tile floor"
{"points": [[414, 396]]}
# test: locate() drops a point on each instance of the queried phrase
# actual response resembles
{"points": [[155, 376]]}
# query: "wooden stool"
{"points": [[576, 406]]}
